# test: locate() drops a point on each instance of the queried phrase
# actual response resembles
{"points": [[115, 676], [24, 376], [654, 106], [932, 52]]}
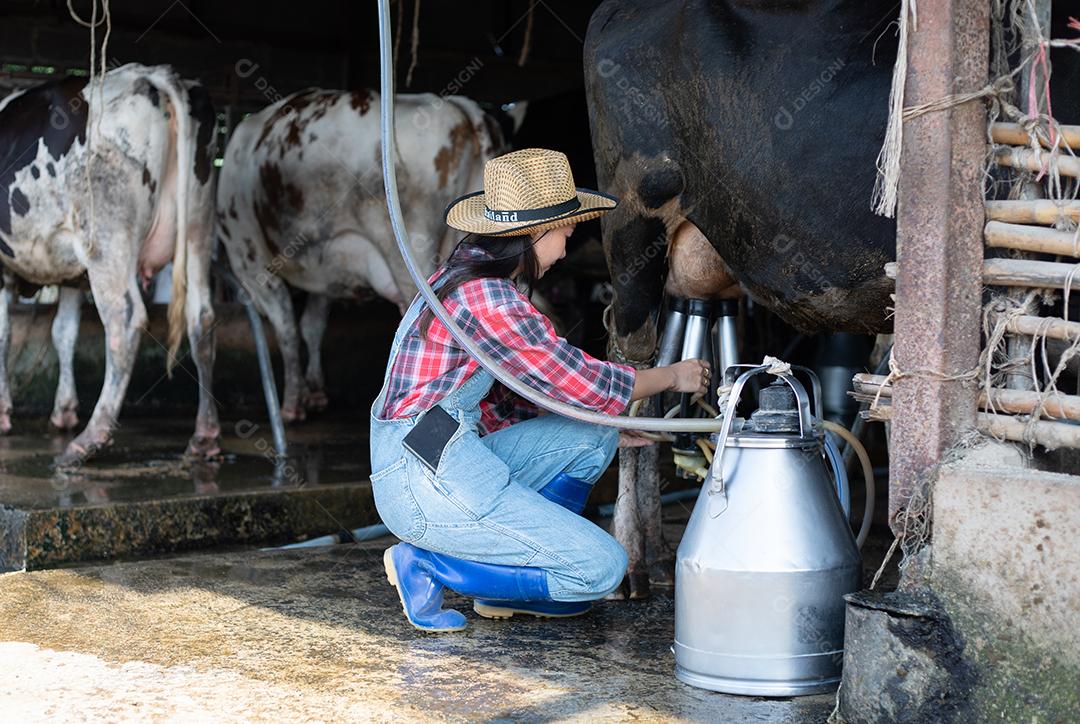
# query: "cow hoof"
{"points": [[619, 594], [662, 572], [316, 401], [289, 415], [64, 419], [203, 447], [78, 453], [635, 585]]}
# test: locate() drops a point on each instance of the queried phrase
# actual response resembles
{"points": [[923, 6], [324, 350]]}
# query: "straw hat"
{"points": [[525, 192]]}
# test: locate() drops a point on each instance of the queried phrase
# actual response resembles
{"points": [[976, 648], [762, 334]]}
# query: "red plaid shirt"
{"points": [[509, 328]]}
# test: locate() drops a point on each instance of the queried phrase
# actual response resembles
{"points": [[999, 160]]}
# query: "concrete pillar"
{"points": [[939, 242]]}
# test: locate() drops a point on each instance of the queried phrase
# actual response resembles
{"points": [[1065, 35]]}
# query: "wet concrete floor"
{"points": [[318, 634], [146, 462], [141, 497]]}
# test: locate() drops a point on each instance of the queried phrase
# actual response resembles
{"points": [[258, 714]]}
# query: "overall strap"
{"points": [[411, 315]]}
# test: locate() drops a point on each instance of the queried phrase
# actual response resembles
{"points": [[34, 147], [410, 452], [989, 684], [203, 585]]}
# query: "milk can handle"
{"points": [[815, 386], [717, 494], [815, 382]]}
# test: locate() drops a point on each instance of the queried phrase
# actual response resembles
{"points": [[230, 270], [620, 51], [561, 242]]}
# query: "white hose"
{"points": [[389, 155], [868, 476]]}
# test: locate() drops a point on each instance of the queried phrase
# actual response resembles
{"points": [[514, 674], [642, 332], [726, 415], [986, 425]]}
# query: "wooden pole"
{"points": [[1031, 238], [1032, 212], [1050, 435], [939, 220], [1013, 134], [1018, 402], [1030, 274], [1025, 158], [1046, 326]]}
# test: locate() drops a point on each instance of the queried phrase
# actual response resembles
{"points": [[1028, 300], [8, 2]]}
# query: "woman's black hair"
{"points": [[479, 257]]}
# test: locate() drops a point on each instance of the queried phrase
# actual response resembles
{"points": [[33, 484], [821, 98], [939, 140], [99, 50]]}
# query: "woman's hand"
{"points": [[692, 375]]}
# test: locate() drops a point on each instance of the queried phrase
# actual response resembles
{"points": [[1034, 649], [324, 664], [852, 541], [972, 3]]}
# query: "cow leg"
{"points": [[65, 333], [199, 315], [271, 296], [635, 246], [6, 298], [116, 294], [626, 527], [695, 271], [637, 522], [659, 556], [312, 328]]}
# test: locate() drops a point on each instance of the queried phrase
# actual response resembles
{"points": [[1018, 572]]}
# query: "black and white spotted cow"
{"points": [[301, 203], [137, 196]]}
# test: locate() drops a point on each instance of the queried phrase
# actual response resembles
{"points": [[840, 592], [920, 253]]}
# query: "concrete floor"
{"points": [[141, 498], [318, 634]]}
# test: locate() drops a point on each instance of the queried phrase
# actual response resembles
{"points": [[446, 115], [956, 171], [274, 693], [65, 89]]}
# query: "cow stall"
{"points": [[57, 347], [974, 388]]}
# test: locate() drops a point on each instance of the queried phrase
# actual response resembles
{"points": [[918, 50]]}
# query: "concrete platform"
{"points": [[141, 498], [318, 634], [1006, 566]]}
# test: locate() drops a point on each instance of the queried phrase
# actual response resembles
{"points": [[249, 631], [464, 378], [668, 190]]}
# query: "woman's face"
{"points": [[551, 246]]}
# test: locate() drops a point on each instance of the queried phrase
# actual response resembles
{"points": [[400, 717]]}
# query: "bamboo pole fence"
{"points": [[1045, 227]]}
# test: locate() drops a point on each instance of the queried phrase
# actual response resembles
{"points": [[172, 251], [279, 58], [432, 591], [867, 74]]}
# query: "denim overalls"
{"points": [[482, 503]]}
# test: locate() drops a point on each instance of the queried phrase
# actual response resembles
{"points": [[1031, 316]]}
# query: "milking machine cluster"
{"points": [[767, 554], [698, 329], [708, 329]]}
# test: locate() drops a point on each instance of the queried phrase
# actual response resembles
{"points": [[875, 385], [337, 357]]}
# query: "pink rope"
{"points": [[1040, 60]]}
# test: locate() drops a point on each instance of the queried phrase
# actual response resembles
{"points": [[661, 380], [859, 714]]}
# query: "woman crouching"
{"points": [[484, 493]]}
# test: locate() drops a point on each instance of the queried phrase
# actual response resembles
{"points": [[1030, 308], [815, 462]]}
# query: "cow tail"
{"points": [[169, 83]]}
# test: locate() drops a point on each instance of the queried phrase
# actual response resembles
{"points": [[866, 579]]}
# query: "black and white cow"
{"points": [[301, 203], [137, 196], [748, 130]]}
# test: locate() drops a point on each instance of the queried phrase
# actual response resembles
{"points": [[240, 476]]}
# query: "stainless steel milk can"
{"points": [[767, 555]]}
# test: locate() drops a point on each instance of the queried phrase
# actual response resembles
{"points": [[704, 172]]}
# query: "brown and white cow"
{"points": [[301, 203], [147, 201]]}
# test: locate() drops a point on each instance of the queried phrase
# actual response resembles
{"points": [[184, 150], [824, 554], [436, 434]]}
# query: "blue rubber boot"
{"points": [[420, 593], [420, 576], [489, 608], [473, 578], [570, 493], [567, 491]]}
